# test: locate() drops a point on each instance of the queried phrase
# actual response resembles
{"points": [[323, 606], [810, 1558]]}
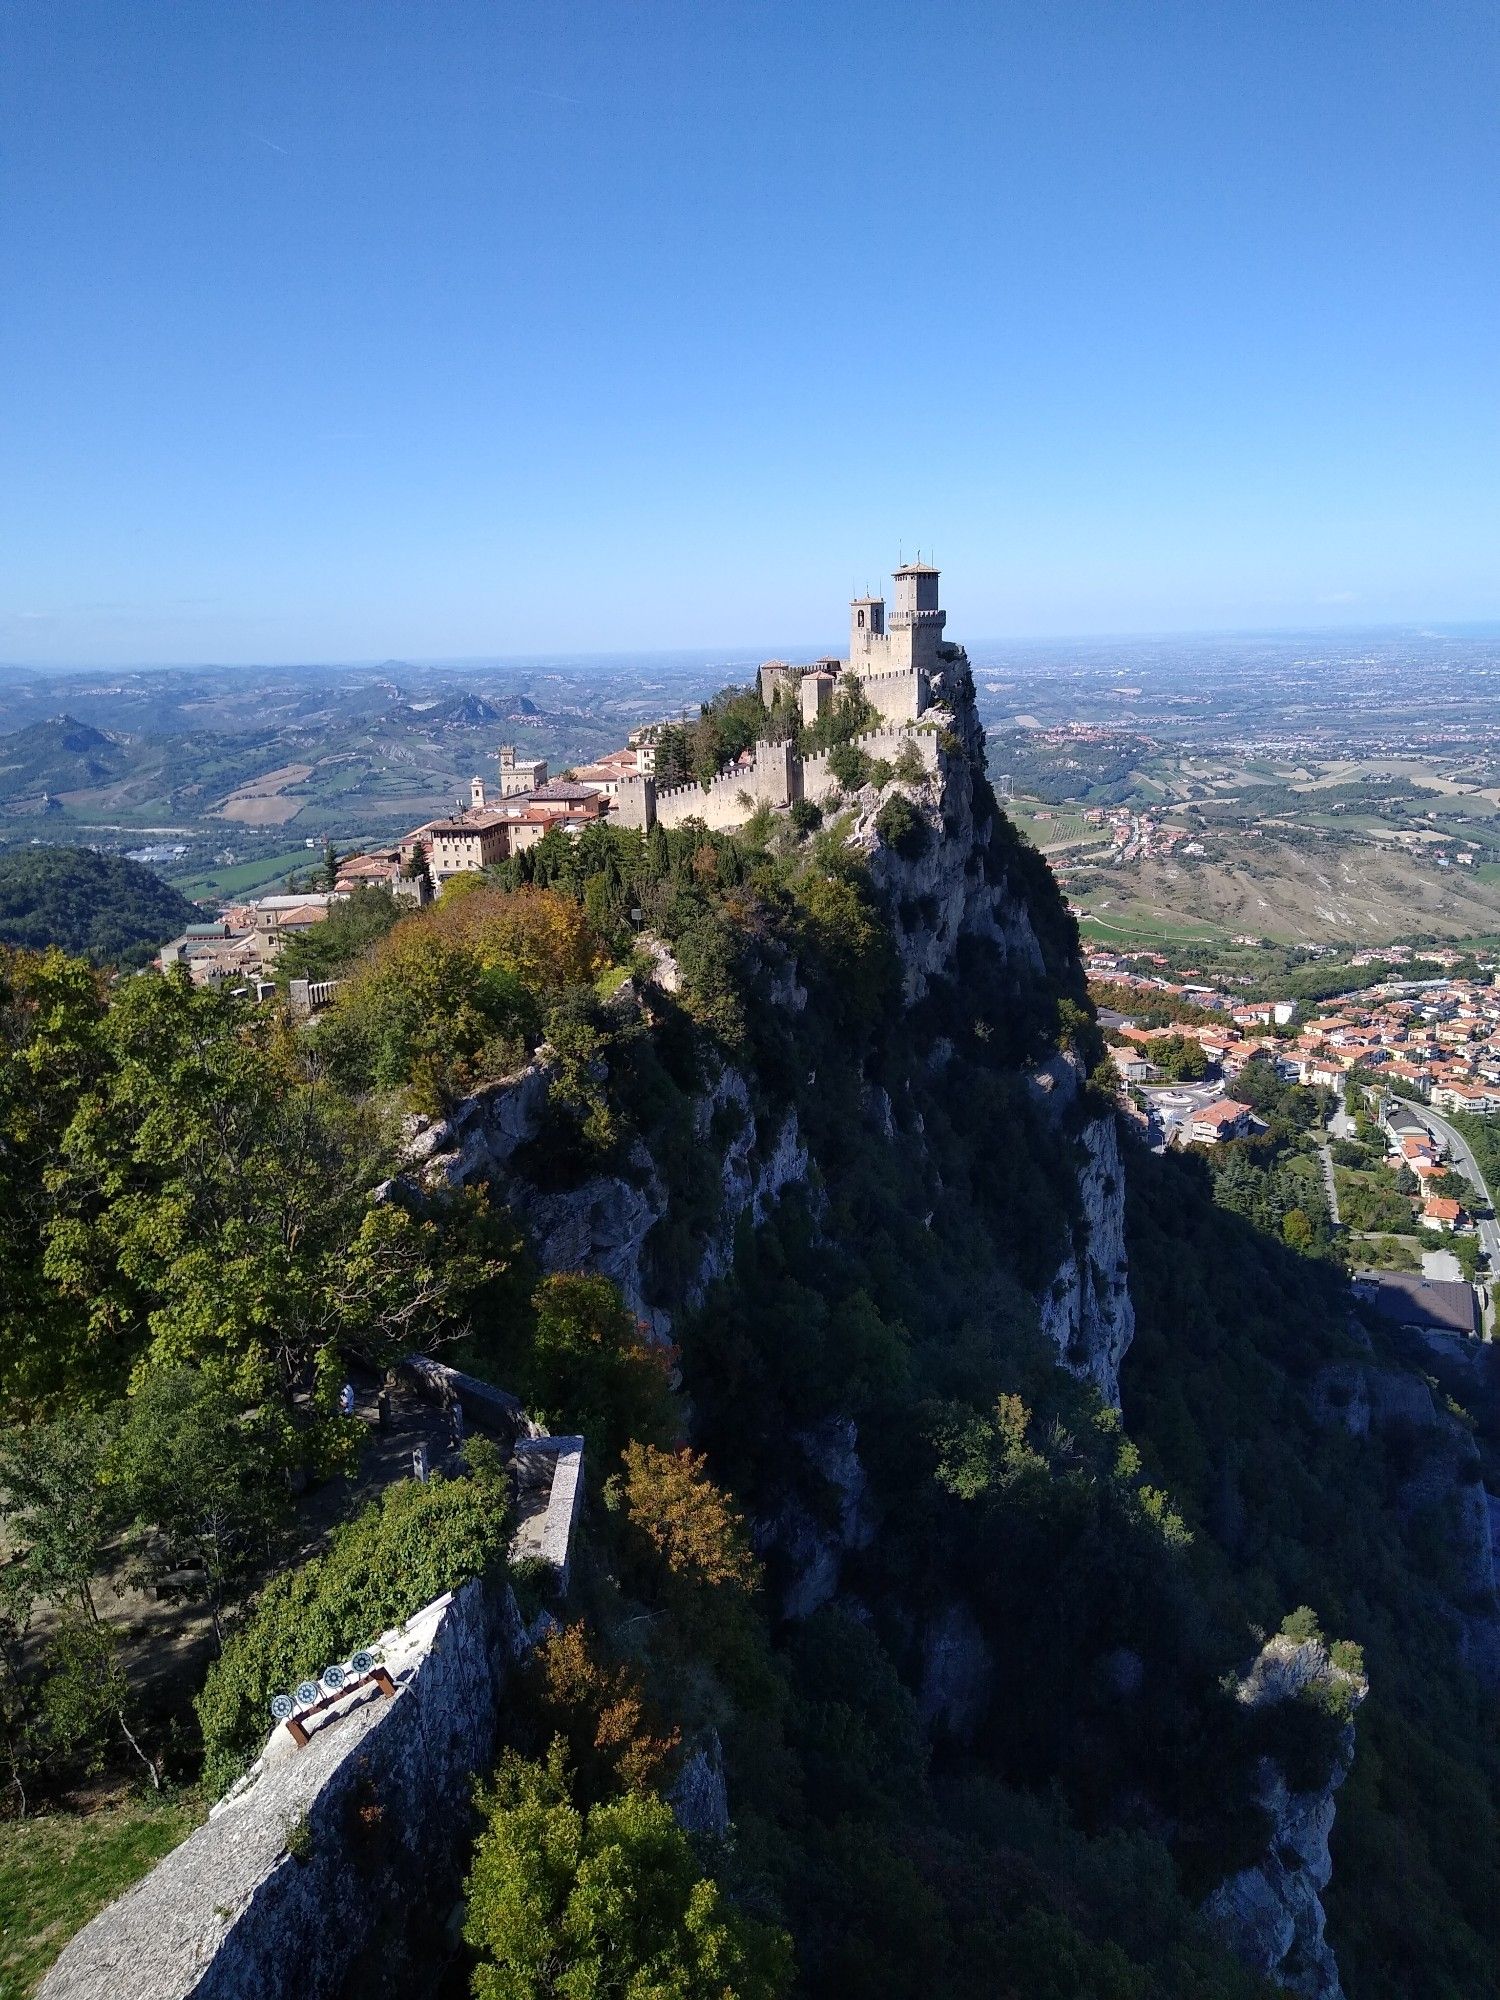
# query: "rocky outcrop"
{"points": [[603, 1223], [1361, 1399], [328, 1869], [943, 894], [699, 1797], [479, 1135], [936, 899], [1271, 1915], [809, 1544]]}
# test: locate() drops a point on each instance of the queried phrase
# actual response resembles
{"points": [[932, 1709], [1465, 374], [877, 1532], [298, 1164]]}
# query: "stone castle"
{"points": [[891, 665]]}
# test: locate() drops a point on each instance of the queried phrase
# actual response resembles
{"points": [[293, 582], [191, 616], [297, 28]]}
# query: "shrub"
{"points": [[903, 828], [1302, 1625], [850, 766], [415, 1542], [908, 765], [687, 1521], [457, 994], [348, 933], [599, 1707], [805, 815], [427, 1014]]}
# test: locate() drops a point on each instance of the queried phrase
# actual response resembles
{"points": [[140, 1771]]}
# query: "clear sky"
{"points": [[350, 329]]}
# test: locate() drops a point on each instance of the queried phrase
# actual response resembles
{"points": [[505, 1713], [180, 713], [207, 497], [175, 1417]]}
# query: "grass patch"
{"points": [[58, 1871], [1139, 926], [248, 875]]}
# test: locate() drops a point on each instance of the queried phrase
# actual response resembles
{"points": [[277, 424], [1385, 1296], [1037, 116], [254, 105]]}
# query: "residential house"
{"points": [[1219, 1121]]}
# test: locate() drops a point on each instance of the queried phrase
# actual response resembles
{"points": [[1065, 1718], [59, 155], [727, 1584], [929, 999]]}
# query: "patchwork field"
{"points": [[263, 802]]}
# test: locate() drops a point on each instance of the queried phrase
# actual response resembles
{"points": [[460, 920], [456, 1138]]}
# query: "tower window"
{"points": [[861, 618]]}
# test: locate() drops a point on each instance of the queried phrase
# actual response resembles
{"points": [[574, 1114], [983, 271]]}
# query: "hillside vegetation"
{"points": [[1307, 890], [97, 906]]}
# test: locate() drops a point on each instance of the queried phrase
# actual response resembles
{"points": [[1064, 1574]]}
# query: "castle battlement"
{"points": [[891, 666]]}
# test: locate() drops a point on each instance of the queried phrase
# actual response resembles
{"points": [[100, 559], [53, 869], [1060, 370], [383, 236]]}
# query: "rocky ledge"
{"points": [[1271, 1914]]}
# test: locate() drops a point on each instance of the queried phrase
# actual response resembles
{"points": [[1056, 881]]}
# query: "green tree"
{"points": [[611, 1902], [903, 828], [60, 1512], [53, 1051], [217, 1198], [85, 1695], [849, 765], [1179, 1058], [348, 934], [208, 1479], [59, 1508], [590, 1367]]}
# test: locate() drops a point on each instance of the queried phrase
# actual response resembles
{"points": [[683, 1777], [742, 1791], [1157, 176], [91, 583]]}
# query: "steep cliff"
{"points": [[966, 883], [602, 1223]]}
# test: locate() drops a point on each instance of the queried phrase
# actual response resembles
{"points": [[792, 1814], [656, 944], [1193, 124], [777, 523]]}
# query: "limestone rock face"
{"points": [[1358, 1398], [809, 1549], [602, 1224], [944, 894], [1088, 1313], [699, 1799], [479, 1135], [1271, 1915], [1446, 1482]]}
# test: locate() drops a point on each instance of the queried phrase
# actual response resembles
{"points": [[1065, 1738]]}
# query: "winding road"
{"points": [[1468, 1166]]}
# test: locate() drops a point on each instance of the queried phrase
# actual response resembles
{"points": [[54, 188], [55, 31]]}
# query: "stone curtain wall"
{"points": [[770, 781], [900, 694], [778, 776], [328, 1869], [888, 743]]}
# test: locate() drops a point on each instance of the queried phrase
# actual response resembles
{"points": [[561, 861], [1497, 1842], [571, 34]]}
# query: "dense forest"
{"points": [[199, 1234], [97, 906]]}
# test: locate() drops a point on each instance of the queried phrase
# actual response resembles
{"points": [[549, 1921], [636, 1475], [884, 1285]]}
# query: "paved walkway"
{"points": [[1330, 1186]]}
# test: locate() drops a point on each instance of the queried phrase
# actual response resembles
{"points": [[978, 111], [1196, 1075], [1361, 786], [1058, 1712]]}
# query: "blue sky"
{"points": [[438, 328]]}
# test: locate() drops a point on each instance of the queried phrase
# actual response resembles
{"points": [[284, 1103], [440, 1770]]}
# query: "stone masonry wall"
{"points": [[328, 1869], [886, 742]]}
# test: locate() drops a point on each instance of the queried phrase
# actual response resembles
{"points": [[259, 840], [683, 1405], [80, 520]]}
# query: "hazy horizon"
{"points": [[745, 654]]}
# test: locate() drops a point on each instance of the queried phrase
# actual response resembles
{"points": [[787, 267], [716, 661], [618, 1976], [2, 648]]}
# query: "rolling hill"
{"points": [[98, 906]]}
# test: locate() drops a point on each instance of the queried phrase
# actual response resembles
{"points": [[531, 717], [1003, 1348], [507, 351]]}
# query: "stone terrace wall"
{"points": [[376, 1808]]}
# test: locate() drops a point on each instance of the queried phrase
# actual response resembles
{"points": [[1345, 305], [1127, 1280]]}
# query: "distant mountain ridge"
{"points": [[60, 754]]}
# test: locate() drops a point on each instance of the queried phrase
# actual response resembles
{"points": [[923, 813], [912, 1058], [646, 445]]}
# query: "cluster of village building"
{"points": [[240, 947], [891, 662], [1434, 1039]]}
